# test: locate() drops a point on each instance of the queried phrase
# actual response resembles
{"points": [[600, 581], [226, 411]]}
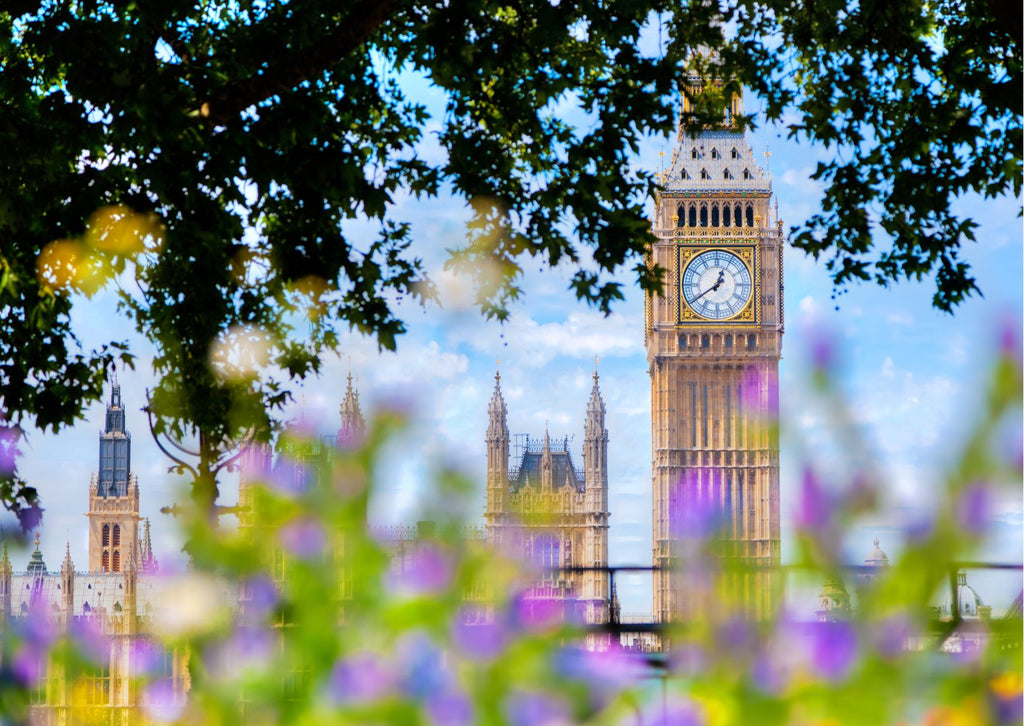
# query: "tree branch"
{"points": [[295, 65]]}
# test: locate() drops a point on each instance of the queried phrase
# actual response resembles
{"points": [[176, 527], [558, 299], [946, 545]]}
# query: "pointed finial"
{"points": [[876, 542], [497, 371], [595, 368], [37, 539]]}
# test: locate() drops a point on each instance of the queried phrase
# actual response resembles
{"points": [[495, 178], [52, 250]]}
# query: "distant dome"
{"points": [[876, 558], [969, 600]]}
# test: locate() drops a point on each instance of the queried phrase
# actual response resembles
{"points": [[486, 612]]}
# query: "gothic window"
{"points": [[117, 535], [679, 216], [727, 174], [751, 341], [704, 174], [684, 174], [727, 216], [714, 154], [714, 215], [750, 215], [545, 552], [735, 154], [705, 341], [106, 561], [106, 535], [738, 216], [747, 174], [703, 215], [682, 341], [693, 153], [728, 338], [693, 216], [116, 564]]}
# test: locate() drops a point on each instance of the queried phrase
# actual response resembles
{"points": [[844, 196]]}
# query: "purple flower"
{"points": [[360, 678], [450, 709], [87, 634], [539, 613], [247, 648], [823, 352], [145, 655], [834, 649], [687, 659], [303, 538], [737, 637], [678, 712], [973, 509], [814, 508], [536, 709], [29, 663], [262, 597], [768, 675], [9, 436], [606, 671], [479, 640], [29, 517], [424, 673], [694, 514], [891, 636], [161, 703], [426, 571]]}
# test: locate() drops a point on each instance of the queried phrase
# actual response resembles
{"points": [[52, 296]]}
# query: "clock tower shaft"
{"points": [[714, 375]]}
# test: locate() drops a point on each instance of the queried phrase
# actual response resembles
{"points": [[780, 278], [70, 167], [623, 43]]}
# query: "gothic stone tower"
{"points": [[549, 513], [114, 497], [714, 339]]}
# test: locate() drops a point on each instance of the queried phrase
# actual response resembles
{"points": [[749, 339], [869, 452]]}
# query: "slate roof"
{"points": [[530, 471], [715, 161]]}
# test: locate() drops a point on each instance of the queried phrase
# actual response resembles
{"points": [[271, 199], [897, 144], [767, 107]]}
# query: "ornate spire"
{"points": [[594, 425], [497, 413], [149, 563], [36, 566], [353, 425], [67, 565], [5, 563]]}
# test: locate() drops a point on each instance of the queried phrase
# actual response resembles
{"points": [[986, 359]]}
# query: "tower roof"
{"points": [[36, 566], [715, 161], [876, 558]]}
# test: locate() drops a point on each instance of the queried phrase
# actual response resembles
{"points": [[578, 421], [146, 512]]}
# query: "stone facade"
{"points": [[545, 511]]}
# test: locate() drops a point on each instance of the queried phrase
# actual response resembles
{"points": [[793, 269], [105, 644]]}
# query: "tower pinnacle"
{"points": [[353, 425]]}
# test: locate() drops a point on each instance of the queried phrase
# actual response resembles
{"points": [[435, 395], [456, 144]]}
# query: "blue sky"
{"points": [[910, 376]]}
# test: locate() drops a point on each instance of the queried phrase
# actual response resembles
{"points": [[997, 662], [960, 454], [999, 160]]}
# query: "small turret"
{"points": [[497, 440], [67, 588], [147, 558], [595, 448], [6, 572], [353, 425]]}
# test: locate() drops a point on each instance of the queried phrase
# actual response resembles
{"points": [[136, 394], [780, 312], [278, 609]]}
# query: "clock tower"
{"points": [[714, 339]]}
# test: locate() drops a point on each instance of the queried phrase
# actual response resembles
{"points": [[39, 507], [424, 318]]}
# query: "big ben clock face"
{"points": [[716, 284]]}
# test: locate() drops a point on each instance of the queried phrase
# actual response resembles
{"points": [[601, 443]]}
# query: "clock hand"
{"points": [[718, 284]]}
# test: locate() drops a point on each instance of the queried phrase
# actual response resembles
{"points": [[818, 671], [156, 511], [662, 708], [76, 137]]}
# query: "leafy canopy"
{"points": [[205, 156]]}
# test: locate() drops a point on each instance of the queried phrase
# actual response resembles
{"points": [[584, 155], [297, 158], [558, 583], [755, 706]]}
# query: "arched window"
{"points": [[684, 174], [714, 153], [703, 215], [738, 218], [105, 563], [545, 552], [693, 216], [727, 174], [116, 565], [747, 174], [106, 535], [680, 213], [704, 174], [750, 215], [735, 154], [728, 338], [751, 341], [117, 535], [727, 216], [705, 341], [693, 153], [714, 215]]}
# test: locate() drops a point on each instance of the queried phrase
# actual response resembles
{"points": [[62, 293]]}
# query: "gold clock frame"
{"points": [[751, 312]]}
